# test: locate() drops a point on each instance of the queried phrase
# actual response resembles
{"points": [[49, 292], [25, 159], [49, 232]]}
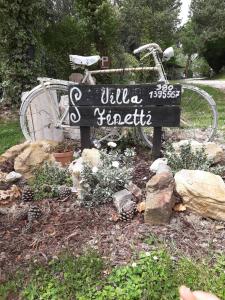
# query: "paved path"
{"points": [[219, 84]]}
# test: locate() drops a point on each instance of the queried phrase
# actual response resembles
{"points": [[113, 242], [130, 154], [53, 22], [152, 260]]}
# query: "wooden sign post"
{"points": [[155, 105]]}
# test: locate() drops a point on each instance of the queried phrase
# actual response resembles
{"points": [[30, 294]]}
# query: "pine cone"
{"points": [[128, 211], [27, 194], [64, 192], [33, 213]]}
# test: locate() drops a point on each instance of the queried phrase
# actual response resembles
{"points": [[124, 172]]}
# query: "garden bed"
{"points": [[67, 226]]}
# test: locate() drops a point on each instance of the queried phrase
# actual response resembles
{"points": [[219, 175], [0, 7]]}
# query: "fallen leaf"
{"points": [[4, 195], [14, 192], [115, 217], [180, 207], [141, 207], [10, 195]]}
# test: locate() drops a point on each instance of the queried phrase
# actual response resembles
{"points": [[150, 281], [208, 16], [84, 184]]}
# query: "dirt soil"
{"points": [[67, 226]]}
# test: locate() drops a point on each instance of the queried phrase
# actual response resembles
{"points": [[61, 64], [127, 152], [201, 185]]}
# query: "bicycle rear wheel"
{"points": [[199, 118]]}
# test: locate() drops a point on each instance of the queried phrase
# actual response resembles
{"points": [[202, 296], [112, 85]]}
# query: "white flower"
{"points": [[155, 257], [112, 144], [94, 170], [147, 253], [115, 164], [134, 265]]}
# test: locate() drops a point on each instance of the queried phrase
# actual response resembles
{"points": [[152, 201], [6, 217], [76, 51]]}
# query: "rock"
{"points": [[121, 198], [214, 151], [125, 206], [13, 152], [202, 192], [156, 164], [159, 199], [29, 156], [135, 190], [33, 157], [12, 177], [8, 197]]}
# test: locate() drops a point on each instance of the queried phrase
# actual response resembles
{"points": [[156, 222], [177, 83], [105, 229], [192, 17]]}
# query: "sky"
{"points": [[184, 10]]}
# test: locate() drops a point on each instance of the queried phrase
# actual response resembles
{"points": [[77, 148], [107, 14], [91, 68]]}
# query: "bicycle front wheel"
{"points": [[199, 118], [40, 112], [41, 117]]}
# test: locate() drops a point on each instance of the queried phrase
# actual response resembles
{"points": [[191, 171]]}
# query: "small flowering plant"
{"points": [[100, 183]]}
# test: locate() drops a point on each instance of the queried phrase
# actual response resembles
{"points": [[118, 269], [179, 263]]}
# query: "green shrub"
{"points": [[99, 184], [189, 159], [48, 178]]}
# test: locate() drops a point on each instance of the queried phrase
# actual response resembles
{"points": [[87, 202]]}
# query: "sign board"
{"points": [[155, 105], [105, 62]]}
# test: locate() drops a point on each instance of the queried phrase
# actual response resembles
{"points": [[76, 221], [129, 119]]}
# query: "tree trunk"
{"points": [[188, 63]]}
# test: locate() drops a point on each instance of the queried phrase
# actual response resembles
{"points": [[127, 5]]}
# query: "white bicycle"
{"points": [[45, 109]]}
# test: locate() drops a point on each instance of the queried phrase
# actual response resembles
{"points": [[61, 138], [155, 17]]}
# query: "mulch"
{"points": [[66, 226]]}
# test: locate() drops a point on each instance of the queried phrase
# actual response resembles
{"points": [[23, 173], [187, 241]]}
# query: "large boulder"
{"points": [[159, 199], [214, 151], [33, 156], [13, 152], [202, 192]]}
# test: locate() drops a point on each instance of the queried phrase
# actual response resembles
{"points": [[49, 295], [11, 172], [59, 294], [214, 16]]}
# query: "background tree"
{"points": [[208, 19], [146, 21], [21, 23], [190, 43], [92, 27]]}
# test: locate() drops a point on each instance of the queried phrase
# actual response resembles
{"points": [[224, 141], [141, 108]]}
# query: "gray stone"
{"points": [[121, 198], [12, 177], [156, 163], [135, 190]]}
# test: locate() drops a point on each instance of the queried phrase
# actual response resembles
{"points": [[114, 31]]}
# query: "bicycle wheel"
{"points": [[43, 108], [40, 112], [199, 118]]}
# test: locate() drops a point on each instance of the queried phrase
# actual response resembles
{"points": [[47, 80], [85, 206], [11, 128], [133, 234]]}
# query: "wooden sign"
{"points": [[138, 105], [105, 62], [155, 105]]}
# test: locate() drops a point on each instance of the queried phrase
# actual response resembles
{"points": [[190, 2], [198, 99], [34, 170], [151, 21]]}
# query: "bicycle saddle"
{"points": [[84, 60]]}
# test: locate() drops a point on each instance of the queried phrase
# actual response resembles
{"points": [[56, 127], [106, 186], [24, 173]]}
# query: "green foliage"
{"points": [[201, 67], [149, 21], [208, 20], [66, 278], [190, 159], [219, 97], [155, 275], [10, 134], [188, 39], [20, 48], [99, 184], [61, 39], [100, 21], [48, 178]]}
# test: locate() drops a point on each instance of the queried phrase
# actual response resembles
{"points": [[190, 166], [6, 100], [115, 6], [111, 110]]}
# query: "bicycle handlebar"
{"points": [[148, 46]]}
